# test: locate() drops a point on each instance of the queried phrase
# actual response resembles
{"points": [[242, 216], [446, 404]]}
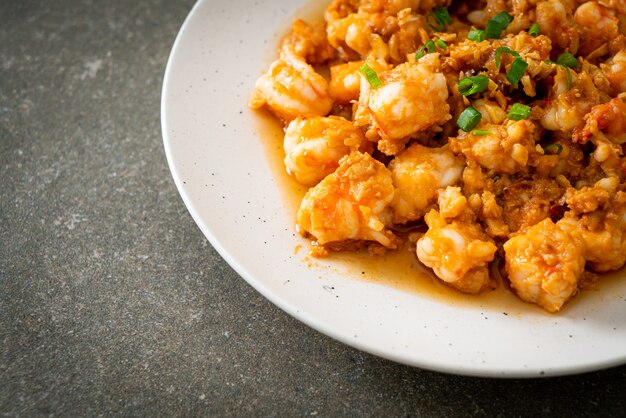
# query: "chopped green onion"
{"points": [[567, 60], [476, 35], [518, 112], [516, 71], [429, 45], [497, 24], [503, 18], [569, 78], [479, 132], [441, 44], [567, 72], [548, 149], [473, 85], [504, 49], [535, 30], [441, 16], [468, 119], [370, 75]]}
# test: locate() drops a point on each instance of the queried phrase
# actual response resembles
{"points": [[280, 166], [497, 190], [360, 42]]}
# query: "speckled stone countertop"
{"points": [[111, 300]]}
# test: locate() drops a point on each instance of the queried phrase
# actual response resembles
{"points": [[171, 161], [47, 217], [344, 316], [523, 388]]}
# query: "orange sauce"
{"points": [[396, 269]]}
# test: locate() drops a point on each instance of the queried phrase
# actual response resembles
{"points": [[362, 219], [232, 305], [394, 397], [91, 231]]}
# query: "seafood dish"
{"points": [[487, 135]]}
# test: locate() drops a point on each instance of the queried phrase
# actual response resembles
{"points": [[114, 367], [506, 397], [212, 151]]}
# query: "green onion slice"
{"points": [[569, 78], [515, 73], [476, 35], [479, 132], [370, 75], [441, 17], [567, 72], [518, 112], [567, 60], [429, 46], [441, 44], [497, 24], [473, 85], [504, 50], [468, 119], [535, 30], [503, 18], [553, 149]]}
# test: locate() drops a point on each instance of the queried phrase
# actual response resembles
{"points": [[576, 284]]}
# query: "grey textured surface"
{"points": [[111, 300]]}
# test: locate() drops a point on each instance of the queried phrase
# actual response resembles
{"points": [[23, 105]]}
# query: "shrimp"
{"points": [[411, 33], [412, 98], [292, 88], [599, 215], [605, 127], [314, 146], [418, 173], [500, 148], [353, 31], [350, 204], [545, 263], [345, 82], [557, 22], [598, 25], [607, 120], [567, 106], [481, 16], [615, 71], [457, 251], [309, 42]]}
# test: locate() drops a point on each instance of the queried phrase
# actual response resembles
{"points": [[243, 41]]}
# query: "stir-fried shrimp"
{"points": [[314, 146], [556, 20], [500, 124], [458, 252], [350, 204], [292, 88], [605, 127], [480, 17], [572, 96], [345, 82], [606, 120], [418, 173], [615, 70], [410, 34], [598, 215], [598, 24], [353, 32], [309, 42], [545, 263], [412, 98], [499, 148]]}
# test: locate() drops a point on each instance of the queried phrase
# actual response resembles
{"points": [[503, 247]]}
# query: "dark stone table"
{"points": [[111, 300]]}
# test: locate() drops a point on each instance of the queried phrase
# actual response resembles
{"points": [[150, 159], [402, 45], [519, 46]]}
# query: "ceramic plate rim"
{"points": [[289, 306]]}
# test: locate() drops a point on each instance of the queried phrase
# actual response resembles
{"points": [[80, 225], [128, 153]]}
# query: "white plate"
{"points": [[216, 152]]}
